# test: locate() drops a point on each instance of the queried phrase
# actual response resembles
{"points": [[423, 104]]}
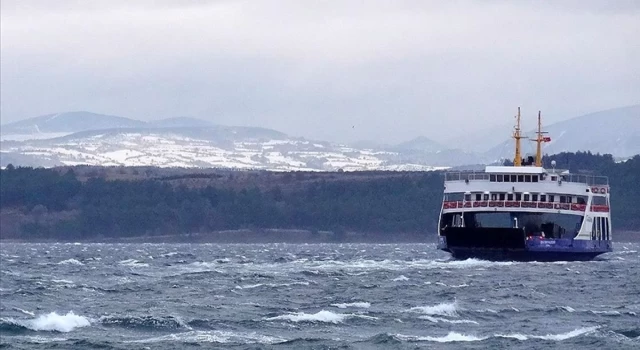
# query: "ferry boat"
{"points": [[524, 211]]}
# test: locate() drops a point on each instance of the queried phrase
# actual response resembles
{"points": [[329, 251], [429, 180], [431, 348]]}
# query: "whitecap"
{"points": [[440, 319], [62, 281], [54, 322], [363, 305], [400, 278], [222, 337], [606, 313], [320, 316], [133, 262], [442, 309], [451, 337], [25, 312], [70, 262], [557, 337]]}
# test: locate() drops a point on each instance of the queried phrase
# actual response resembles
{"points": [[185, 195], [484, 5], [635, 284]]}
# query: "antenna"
{"points": [[517, 160], [539, 140]]}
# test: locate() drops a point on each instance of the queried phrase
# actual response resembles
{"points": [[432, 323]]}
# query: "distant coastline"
{"points": [[113, 204], [287, 236]]}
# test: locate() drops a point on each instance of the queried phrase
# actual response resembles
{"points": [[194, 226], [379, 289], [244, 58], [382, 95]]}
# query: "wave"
{"points": [[166, 322], [442, 309], [364, 305], [440, 319], [320, 316], [459, 337], [49, 322], [400, 278], [25, 312], [221, 337], [273, 285], [70, 262], [451, 337], [133, 262]]}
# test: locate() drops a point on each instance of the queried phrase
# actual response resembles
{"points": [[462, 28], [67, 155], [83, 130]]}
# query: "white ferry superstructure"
{"points": [[525, 212]]}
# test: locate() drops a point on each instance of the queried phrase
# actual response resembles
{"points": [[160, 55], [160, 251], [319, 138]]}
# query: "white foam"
{"points": [[458, 337], [133, 262], [363, 305], [567, 308], [221, 337], [400, 278], [320, 316], [440, 319], [55, 322], [62, 281], [70, 262], [451, 337], [250, 286], [273, 285], [25, 312], [606, 313], [557, 337], [442, 309]]}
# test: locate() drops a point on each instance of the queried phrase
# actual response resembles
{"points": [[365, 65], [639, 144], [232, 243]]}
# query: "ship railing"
{"points": [[590, 180], [522, 204]]}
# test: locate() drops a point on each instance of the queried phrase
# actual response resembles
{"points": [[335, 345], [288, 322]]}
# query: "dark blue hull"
{"points": [[519, 255], [534, 250]]}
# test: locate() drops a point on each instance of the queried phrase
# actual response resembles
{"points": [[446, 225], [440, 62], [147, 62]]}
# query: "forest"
{"points": [[73, 204]]}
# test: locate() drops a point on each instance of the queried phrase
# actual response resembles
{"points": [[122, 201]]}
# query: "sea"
{"points": [[310, 296]]}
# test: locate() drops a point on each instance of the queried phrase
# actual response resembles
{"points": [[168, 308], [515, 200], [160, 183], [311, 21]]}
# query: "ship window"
{"points": [[563, 199], [467, 197], [526, 197], [534, 178], [534, 197], [513, 178], [581, 200], [520, 178], [518, 196], [492, 178], [543, 198], [552, 198], [527, 178], [599, 200], [486, 197], [554, 178], [510, 196], [501, 196], [499, 178], [494, 197], [478, 196], [569, 199]]}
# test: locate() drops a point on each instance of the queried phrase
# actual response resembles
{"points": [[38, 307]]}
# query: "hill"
{"points": [[90, 202]]}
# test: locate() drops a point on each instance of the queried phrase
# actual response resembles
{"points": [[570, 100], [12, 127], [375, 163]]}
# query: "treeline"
{"points": [[51, 203]]}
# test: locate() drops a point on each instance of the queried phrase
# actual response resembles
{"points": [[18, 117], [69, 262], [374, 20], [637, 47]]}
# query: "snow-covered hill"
{"points": [[224, 147]]}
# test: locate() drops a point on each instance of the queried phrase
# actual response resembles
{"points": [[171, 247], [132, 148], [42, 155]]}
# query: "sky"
{"points": [[342, 70]]}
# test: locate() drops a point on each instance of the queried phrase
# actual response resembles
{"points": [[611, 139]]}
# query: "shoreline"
{"points": [[247, 236]]}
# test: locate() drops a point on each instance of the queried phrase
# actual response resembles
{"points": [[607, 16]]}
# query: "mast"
{"points": [[517, 160], [539, 140]]}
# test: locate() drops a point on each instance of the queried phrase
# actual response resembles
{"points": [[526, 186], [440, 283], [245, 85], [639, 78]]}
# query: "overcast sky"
{"points": [[336, 70]]}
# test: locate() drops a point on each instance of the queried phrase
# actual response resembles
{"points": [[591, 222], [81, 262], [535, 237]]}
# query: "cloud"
{"points": [[394, 69]]}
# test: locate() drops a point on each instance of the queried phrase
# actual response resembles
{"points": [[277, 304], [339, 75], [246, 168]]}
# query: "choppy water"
{"points": [[350, 296]]}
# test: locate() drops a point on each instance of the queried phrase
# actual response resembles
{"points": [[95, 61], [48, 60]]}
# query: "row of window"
{"points": [[518, 178], [526, 197]]}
